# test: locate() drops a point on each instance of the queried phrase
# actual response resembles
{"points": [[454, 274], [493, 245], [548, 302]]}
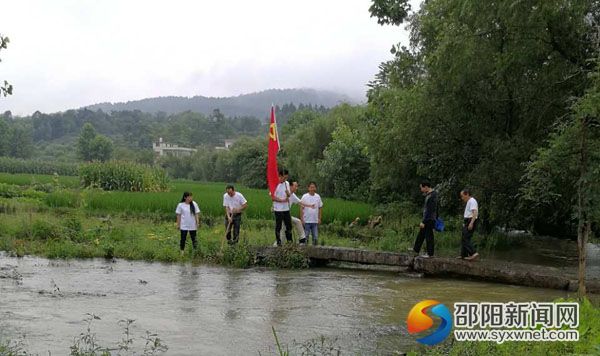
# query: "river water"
{"points": [[211, 310]]}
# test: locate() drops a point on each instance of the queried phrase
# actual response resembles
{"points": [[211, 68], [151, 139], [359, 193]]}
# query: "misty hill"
{"points": [[254, 104]]}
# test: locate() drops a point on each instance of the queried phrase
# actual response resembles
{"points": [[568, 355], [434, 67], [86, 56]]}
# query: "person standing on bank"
{"points": [[467, 250], [188, 220], [311, 211], [293, 184], [427, 224], [281, 208], [234, 204]]}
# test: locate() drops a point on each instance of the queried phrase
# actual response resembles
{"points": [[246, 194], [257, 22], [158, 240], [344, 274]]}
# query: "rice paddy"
{"points": [[209, 197], [53, 217], [25, 179]]}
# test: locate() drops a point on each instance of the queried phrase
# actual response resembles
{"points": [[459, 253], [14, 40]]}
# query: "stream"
{"points": [[213, 310]]}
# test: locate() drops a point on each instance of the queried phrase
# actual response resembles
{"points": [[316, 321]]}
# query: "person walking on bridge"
{"points": [[427, 224]]}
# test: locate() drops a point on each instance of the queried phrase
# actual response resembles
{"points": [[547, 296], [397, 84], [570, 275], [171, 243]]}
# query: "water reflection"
{"points": [[188, 287], [231, 289], [279, 302]]}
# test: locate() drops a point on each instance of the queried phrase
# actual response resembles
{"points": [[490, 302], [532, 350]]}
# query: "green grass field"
{"points": [[209, 197], [24, 179], [59, 220]]}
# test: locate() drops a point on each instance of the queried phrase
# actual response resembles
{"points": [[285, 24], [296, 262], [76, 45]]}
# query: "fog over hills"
{"points": [[254, 104]]}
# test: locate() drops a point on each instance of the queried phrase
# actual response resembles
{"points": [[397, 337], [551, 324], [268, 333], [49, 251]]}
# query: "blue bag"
{"points": [[439, 224]]}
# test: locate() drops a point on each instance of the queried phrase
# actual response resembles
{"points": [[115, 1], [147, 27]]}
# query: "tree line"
{"points": [[490, 96], [51, 136]]}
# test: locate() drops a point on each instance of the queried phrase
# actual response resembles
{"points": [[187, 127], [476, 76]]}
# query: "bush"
{"points": [[124, 176], [238, 256], [9, 191], [45, 230], [33, 194], [73, 228], [109, 252], [287, 256]]}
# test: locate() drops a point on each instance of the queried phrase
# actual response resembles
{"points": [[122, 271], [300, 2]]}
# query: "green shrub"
{"points": [[73, 228], [288, 256], [45, 230], [33, 194], [109, 252], [123, 176], [238, 255], [9, 191], [43, 187]]}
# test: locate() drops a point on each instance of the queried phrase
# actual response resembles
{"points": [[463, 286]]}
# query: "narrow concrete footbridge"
{"points": [[485, 270]]}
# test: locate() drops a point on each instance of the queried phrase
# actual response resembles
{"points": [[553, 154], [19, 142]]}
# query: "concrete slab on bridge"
{"points": [[485, 270]]}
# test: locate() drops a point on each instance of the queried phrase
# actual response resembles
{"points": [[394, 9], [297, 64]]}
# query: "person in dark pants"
{"points": [[234, 204], [427, 224], [188, 220], [467, 250], [281, 208]]}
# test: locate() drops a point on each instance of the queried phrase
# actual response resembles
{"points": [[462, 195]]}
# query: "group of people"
{"points": [[234, 203], [311, 208], [430, 216]]}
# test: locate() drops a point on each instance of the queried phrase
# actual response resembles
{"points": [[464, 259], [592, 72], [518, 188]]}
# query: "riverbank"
{"points": [[48, 216], [28, 228]]}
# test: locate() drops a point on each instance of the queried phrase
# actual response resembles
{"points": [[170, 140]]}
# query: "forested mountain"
{"points": [[52, 136], [254, 104]]}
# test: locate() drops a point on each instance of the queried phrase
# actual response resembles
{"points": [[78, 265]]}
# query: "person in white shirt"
{"points": [[293, 184], [311, 212], [281, 208], [188, 220], [234, 204], [470, 216]]}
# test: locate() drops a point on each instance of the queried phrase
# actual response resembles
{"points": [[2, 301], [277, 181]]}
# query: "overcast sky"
{"points": [[69, 53]]}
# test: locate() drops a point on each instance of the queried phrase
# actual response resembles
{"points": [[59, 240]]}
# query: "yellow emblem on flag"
{"points": [[273, 132]]}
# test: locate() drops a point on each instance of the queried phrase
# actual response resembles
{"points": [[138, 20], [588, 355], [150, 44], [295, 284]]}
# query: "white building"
{"points": [[228, 144], [163, 149]]}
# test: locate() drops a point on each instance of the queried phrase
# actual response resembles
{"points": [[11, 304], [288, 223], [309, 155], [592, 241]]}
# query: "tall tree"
{"points": [[4, 137], [490, 79], [84, 143], [20, 143], [101, 149]]}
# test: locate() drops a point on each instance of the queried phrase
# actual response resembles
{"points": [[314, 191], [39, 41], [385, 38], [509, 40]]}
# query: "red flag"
{"points": [[272, 174]]}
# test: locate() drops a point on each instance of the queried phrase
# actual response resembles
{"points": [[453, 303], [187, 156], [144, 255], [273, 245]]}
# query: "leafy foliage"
{"points": [[474, 97], [346, 164], [550, 179], [93, 147], [390, 11], [7, 88]]}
